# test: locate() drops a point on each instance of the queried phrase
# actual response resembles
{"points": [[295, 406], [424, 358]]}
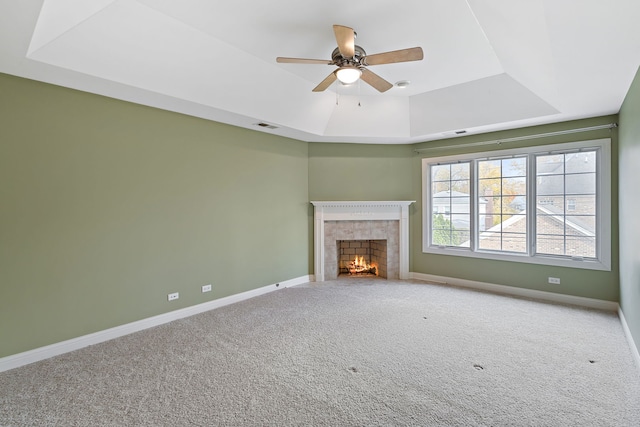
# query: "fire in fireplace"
{"points": [[360, 266], [362, 257]]}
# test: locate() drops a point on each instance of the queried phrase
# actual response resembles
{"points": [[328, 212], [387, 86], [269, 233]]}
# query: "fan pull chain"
{"points": [[359, 84]]}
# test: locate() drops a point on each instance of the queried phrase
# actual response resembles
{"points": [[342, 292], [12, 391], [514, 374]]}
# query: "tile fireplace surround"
{"points": [[359, 220]]}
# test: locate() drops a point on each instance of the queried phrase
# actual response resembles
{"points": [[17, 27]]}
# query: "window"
{"points": [[569, 179], [502, 192], [546, 205], [451, 204]]}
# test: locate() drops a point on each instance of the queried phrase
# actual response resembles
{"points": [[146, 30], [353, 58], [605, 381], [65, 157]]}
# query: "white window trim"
{"points": [[603, 207]]}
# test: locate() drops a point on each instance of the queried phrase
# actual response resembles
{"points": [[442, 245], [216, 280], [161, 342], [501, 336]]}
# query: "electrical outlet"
{"points": [[173, 296], [206, 288], [554, 280]]}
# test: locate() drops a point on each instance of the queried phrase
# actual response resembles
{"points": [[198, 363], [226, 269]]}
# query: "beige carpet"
{"points": [[345, 353]]}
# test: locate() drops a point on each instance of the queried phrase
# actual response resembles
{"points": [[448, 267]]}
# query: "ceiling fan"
{"points": [[352, 61]]}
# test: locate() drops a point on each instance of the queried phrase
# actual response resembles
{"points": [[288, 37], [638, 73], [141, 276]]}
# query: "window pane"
{"points": [[550, 244], [460, 205], [489, 169], [581, 205], [550, 164], [442, 199], [460, 171], [444, 234], [491, 241], [514, 192], [439, 186], [517, 203], [460, 186], [584, 183], [451, 204], [550, 205], [506, 242], [441, 236], [514, 185], [489, 186], [548, 185], [581, 246], [514, 242], [581, 162], [582, 225], [514, 167], [460, 221], [514, 223], [549, 224], [440, 173]]}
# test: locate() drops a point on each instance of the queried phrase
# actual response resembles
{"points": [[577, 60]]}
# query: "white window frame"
{"points": [[603, 206]]}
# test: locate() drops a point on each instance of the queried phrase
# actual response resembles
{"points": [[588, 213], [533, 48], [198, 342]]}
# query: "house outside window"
{"points": [[546, 205]]}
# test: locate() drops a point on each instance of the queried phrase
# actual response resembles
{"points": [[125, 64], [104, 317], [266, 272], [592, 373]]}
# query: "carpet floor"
{"points": [[345, 353]]}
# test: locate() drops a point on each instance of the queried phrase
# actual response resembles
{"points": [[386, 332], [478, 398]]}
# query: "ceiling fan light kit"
{"points": [[348, 74], [352, 61]]}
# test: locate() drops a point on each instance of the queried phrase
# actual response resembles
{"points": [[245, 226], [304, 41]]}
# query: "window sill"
{"points": [[539, 259]]}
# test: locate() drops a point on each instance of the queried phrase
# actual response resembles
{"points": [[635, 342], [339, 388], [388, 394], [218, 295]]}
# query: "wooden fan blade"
{"points": [[375, 80], [402, 55], [282, 60], [325, 83], [346, 40]]}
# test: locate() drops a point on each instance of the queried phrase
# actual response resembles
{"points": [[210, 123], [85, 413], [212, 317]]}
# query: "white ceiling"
{"points": [[489, 64]]}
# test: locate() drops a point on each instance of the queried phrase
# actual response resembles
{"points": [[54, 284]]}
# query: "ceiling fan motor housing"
{"points": [[340, 61]]}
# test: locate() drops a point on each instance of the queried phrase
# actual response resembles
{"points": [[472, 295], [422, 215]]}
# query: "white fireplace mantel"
{"points": [[361, 211]]}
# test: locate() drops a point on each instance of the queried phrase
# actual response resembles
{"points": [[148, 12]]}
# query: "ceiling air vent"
{"points": [[266, 125], [452, 133]]}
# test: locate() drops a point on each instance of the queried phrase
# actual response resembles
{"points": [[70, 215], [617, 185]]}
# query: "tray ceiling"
{"points": [[489, 64]]}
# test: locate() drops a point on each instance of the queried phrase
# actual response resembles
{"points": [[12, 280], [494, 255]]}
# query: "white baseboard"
{"points": [[627, 333], [38, 354], [521, 292]]}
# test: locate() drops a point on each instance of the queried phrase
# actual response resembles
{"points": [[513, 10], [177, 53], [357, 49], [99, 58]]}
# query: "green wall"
{"points": [[585, 283], [359, 172], [107, 206], [629, 208]]}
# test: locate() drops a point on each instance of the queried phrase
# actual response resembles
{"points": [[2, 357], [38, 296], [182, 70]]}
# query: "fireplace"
{"points": [[355, 222], [358, 258]]}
